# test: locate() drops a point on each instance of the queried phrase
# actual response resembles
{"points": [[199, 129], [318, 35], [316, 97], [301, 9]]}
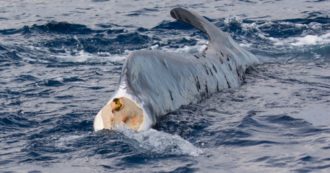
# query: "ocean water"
{"points": [[60, 62]]}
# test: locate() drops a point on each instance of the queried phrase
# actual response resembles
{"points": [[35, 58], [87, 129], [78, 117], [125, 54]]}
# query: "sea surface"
{"points": [[60, 62]]}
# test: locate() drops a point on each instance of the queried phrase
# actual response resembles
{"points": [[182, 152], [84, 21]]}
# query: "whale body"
{"points": [[154, 83]]}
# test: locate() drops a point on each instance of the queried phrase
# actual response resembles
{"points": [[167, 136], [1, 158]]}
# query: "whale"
{"points": [[154, 83]]}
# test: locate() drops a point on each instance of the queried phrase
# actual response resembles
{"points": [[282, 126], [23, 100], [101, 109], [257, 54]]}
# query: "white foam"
{"points": [[312, 40], [308, 40], [161, 142], [83, 56], [198, 48]]}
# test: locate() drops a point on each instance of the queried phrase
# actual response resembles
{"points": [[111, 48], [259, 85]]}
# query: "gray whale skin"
{"points": [[154, 83]]}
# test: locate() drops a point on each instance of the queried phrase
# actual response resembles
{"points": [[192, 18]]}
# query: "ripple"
{"points": [[59, 69]]}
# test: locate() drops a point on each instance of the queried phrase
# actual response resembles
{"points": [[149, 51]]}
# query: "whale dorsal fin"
{"points": [[189, 17], [214, 34], [220, 43]]}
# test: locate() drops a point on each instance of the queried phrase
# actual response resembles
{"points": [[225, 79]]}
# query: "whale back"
{"points": [[163, 81]]}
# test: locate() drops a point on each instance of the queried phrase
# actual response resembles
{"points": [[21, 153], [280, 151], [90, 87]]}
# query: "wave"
{"points": [[172, 25], [49, 28], [69, 42]]}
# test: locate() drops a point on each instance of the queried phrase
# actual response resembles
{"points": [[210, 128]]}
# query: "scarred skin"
{"points": [[122, 111]]}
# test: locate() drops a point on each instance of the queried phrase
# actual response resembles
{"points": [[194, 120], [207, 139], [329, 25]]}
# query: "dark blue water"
{"points": [[60, 62]]}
